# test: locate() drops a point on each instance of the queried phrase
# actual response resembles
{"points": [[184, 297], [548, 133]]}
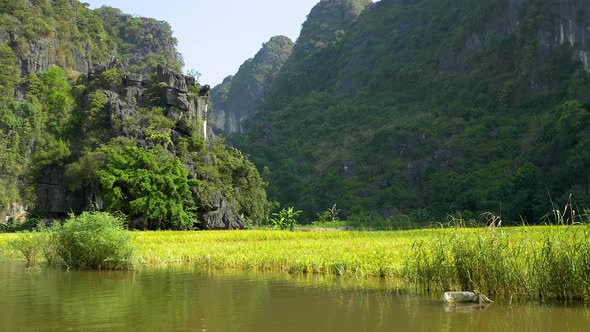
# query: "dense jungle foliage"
{"points": [[431, 108]]}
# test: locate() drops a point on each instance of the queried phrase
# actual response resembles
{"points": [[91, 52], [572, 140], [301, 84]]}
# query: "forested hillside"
{"points": [[431, 107], [95, 115]]}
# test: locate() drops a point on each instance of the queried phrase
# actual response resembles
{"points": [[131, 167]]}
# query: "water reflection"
{"points": [[186, 300]]}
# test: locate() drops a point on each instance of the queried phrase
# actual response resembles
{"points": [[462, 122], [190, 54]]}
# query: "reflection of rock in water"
{"points": [[465, 307]]}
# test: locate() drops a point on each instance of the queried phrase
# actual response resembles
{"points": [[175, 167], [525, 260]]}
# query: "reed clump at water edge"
{"points": [[545, 263]]}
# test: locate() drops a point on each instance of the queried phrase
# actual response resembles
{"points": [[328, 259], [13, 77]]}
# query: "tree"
{"points": [[194, 74], [9, 75], [148, 184], [578, 162], [54, 92], [573, 117]]}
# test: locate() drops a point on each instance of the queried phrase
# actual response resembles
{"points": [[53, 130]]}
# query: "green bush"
{"points": [[29, 244], [92, 241], [49, 244], [329, 215], [237, 178], [111, 79]]}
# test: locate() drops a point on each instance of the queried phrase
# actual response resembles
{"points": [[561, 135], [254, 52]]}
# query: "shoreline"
{"points": [[503, 262]]}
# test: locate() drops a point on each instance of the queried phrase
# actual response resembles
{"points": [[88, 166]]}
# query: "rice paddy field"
{"points": [[547, 262]]}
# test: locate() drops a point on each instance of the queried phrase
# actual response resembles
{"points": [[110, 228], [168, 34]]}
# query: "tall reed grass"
{"points": [[550, 262]]}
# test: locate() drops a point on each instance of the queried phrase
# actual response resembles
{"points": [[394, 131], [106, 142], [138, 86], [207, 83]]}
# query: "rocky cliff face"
{"points": [[37, 33], [562, 23], [281, 67], [240, 96], [30, 28], [567, 24], [326, 23], [545, 26], [219, 95], [141, 42], [120, 117], [184, 103]]}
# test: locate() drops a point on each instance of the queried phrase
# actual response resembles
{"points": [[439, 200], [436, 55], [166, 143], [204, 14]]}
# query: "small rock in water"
{"points": [[472, 297]]}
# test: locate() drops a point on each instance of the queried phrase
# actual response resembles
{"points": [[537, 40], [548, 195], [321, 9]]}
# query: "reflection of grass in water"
{"points": [[306, 280], [527, 262]]}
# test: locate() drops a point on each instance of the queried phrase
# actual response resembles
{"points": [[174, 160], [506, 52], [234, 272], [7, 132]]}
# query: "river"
{"points": [[183, 299]]}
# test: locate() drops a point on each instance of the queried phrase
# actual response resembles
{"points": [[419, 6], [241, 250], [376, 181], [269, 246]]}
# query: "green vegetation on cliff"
{"points": [[144, 43], [95, 115], [432, 107], [321, 39], [41, 34]]}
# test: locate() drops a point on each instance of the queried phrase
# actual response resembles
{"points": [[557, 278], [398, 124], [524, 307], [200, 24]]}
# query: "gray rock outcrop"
{"points": [[218, 214], [51, 193]]}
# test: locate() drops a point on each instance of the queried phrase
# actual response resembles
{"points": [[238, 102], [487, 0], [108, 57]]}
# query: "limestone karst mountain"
{"points": [[94, 114], [431, 108]]}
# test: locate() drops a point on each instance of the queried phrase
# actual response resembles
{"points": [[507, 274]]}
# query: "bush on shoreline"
{"points": [[92, 240]]}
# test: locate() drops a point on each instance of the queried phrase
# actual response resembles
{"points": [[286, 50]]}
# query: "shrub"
{"points": [[29, 244], [49, 244], [329, 215], [111, 79], [93, 240], [238, 180]]}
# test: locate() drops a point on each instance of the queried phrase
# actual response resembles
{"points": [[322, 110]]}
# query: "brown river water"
{"points": [[181, 299]]}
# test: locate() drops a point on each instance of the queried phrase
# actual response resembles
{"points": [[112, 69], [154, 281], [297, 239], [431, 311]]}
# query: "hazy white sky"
{"points": [[216, 36]]}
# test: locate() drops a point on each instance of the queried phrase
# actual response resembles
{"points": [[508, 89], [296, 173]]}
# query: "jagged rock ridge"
{"points": [[240, 96]]}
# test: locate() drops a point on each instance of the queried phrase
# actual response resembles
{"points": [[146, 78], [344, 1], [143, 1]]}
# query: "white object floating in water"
{"points": [[472, 297]]}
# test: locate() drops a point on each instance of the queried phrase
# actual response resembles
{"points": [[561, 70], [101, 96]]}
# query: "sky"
{"points": [[216, 36]]}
